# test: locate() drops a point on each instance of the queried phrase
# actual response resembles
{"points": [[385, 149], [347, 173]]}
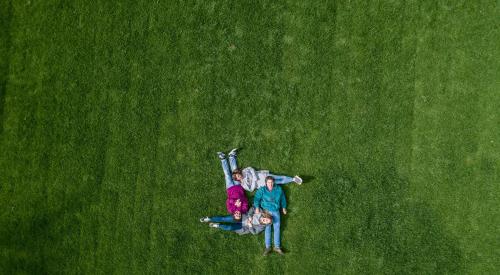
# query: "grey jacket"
{"points": [[253, 179], [253, 226]]}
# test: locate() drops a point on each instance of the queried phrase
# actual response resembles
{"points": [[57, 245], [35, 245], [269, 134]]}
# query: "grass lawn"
{"points": [[111, 114]]}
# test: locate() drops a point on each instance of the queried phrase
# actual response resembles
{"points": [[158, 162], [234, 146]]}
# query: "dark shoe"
{"points": [[267, 251], [279, 251]]}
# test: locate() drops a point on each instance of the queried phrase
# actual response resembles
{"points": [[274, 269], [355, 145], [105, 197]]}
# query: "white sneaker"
{"points": [[297, 180], [233, 152], [205, 219], [213, 225], [221, 155]]}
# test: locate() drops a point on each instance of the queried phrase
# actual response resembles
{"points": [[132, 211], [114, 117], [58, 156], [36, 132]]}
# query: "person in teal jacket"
{"points": [[271, 198]]}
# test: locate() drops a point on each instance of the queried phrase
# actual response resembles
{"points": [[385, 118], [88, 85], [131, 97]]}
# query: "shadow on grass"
{"points": [[5, 42], [307, 178], [2, 103], [29, 232]]}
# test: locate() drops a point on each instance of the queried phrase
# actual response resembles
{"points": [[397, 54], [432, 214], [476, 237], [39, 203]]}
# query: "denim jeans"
{"points": [[232, 226], [227, 174], [276, 225], [281, 179], [278, 179], [233, 163]]}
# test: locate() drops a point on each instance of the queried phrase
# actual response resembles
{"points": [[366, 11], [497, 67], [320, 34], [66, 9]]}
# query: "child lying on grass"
{"points": [[251, 222], [251, 179]]}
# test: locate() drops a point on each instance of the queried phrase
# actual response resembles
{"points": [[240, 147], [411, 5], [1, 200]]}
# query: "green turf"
{"points": [[111, 114]]}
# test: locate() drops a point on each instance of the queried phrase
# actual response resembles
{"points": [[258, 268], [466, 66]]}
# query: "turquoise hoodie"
{"points": [[270, 200]]}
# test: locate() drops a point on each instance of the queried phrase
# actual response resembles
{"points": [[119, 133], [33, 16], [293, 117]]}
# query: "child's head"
{"points": [[266, 218], [237, 216], [237, 175]]}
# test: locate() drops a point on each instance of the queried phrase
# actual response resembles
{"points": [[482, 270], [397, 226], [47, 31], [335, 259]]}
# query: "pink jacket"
{"points": [[234, 193]]}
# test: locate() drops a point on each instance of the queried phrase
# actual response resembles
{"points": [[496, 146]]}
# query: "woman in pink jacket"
{"points": [[236, 203]]}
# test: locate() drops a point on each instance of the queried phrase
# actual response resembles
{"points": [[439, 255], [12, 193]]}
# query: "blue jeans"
{"points": [[276, 224], [281, 179], [227, 174], [232, 226], [278, 179], [233, 163]]}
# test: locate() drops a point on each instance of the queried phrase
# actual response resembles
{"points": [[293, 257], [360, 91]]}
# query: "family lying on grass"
{"points": [[268, 200]]}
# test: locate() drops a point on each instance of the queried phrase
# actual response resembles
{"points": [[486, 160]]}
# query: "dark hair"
{"points": [[269, 178], [237, 172], [237, 219]]}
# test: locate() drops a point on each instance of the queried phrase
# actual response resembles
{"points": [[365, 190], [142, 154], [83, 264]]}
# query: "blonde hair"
{"points": [[268, 216]]}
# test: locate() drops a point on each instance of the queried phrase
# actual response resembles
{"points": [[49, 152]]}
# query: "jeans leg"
{"points": [[276, 226], [233, 163], [278, 179], [227, 174], [231, 227], [267, 237], [222, 219]]}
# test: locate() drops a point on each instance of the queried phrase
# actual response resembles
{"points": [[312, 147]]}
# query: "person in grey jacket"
{"points": [[251, 222], [251, 179]]}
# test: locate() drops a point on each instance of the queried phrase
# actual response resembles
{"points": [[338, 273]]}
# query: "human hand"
{"points": [[257, 210], [237, 203], [284, 211]]}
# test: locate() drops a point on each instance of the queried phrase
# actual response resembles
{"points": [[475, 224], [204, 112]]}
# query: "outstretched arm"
{"points": [[283, 199], [257, 199]]}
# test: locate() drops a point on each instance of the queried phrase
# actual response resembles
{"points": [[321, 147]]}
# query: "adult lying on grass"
{"points": [[236, 203], [251, 222], [252, 179], [271, 198]]}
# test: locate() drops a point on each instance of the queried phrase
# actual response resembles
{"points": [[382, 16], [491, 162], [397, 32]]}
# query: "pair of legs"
{"points": [[228, 169], [233, 165], [278, 179], [276, 226], [231, 225]]}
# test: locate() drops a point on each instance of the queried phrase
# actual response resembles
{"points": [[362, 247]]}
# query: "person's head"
{"points": [[269, 182], [266, 218], [237, 175], [237, 216]]}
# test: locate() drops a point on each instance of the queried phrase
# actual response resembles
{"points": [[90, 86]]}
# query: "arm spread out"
{"points": [[283, 199], [257, 198]]}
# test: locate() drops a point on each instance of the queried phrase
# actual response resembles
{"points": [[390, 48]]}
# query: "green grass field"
{"points": [[111, 114]]}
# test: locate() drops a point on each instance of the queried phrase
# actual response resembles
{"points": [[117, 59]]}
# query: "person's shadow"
{"points": [[307, 178]]}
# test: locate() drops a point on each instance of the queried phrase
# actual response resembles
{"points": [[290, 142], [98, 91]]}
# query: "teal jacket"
{"points": [[270, 200]]}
